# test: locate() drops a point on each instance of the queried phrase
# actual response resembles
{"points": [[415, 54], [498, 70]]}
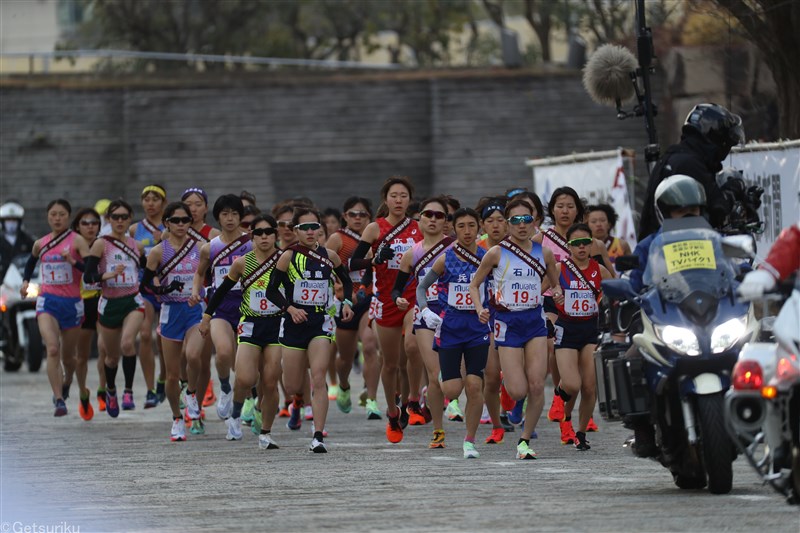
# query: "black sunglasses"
{"points": [[179, 220], [258, 232], [430, 213], [119, 216]]}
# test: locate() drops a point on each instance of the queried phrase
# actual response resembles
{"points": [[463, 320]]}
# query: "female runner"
{"points": [[519, 267], [357, 214], [114, 261], [305, 270], [577, 331], [59, 307], [389, 239], [259, 350], [432, 222], [461, 335], [148, 232], [601, 219]]}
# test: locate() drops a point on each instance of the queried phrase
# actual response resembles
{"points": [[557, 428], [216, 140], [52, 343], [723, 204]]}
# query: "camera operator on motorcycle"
{"points": [[783, 260], [15, 241], [676, 197], [708, 134]]}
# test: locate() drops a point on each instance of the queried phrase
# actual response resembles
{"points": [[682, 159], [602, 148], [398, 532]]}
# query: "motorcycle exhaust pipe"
{"points": [[747, 413]]}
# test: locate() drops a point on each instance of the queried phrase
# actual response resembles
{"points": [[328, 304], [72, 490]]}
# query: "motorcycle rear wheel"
{"points": [[717, 447]]}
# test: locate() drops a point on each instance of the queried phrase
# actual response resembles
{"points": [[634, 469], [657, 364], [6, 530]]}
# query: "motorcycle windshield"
{"points": [[686, 257]]}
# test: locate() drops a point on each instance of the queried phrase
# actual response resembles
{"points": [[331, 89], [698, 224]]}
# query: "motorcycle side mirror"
{"points": [[738, 246], [619, 289], [624, 263]]}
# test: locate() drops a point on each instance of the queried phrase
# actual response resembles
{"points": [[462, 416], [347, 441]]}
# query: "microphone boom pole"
{"points": [[644, 48]]}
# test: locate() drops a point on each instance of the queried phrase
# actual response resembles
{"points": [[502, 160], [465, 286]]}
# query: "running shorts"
{"points": [[67, 311], [112, 311]]}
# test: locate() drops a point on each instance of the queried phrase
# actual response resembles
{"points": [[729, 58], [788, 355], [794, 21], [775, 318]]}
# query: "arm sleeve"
{"points": [[423, 286], [273, 289], [347, 283], [146, 285], [29, 266], [142, 261], [91, 274], [357, 261], [400, 284], [219, 295]]}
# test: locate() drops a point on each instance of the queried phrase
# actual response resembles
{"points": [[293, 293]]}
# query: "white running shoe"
{"points": [[225, 404], [265, 442], [317, 446], [485, 418], [469, 451], [308, 413], [234, 428], [191, 405], [178, 433]]}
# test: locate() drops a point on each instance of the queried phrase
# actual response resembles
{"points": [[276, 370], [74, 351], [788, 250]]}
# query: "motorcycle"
{"points": [[692, 329], [763, 406], [20, 340]]}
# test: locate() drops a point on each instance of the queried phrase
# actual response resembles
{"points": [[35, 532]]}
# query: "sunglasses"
{"points": [[258, 232], [284, 224], [119, 216], [430, 213], [90, 222], [520, 219], [179, 220], [358, 214], [309, 226], [245, 224], [583, 241]]}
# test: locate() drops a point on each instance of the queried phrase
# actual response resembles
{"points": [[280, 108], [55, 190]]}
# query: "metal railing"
{"points": [[46, 57]]}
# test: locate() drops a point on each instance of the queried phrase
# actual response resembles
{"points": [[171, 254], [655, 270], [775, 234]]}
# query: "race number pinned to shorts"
{"points": [[163, 318], [499, 330], [375, 309], [328, 324], [245, 329], [559, 334], [687, 255]]}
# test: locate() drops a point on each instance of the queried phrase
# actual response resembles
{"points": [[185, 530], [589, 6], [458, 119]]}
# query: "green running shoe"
{"points": [[255, 427], [469, 451], [248, 410], [198, 428], [524, 451], [453, 412], [373, 413], [343, 400]]}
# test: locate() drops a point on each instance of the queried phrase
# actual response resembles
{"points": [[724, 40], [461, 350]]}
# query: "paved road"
{"points": [[125, 474]]}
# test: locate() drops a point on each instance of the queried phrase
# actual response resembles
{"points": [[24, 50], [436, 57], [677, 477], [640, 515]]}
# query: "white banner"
{"points": [[776, 168], [597, 177]]}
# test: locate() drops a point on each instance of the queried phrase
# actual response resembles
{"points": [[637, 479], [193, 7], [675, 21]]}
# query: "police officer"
{"points": [[15, 240], [709, 133]]}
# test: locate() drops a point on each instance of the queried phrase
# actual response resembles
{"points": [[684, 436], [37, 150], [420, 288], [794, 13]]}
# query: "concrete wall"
{"points": [[327, 137]]}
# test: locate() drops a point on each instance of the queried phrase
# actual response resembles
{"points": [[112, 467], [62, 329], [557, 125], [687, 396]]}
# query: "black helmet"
{"points": [[678, 191], [718, 125]]}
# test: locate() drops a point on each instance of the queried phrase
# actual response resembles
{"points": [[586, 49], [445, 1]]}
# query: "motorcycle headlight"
{"points": [[681, 340], [726, 334], [33, 290]]}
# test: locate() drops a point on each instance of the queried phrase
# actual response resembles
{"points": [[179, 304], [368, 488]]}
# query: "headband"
{"points": [[514, 192], [196, 190], [489, 209], [156, 189]]}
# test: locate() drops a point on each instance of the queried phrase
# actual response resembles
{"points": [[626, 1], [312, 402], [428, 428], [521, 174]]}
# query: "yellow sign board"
{"points": [[687, 255]]}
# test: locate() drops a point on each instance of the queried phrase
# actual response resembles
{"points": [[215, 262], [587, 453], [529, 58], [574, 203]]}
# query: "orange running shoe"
{"points": [[394, 433], [591, 426], [86, 413], [567, 432], [556, 413], [506, 401], [210, 398], [101, 400], [284, 411], [416, 417], [496, 436]]}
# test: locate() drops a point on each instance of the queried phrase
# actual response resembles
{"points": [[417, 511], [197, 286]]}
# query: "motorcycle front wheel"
{"points": [[717, 446]]}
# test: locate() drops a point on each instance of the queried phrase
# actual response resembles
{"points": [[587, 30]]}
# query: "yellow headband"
{"points": [[156, 189]]}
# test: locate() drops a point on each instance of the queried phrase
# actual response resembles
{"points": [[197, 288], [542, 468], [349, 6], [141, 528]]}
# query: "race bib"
{"points": [[127, 279], [163, 317], [56, 273], [186, 279], [357, 275], [399, 250], [375, 309], [220, 272], [519, 295], [579, 303], [458, 296], [310, 292], [328, 324], [101, 305], [499, 330], [245, 329], [259, 303], [559, 334]]}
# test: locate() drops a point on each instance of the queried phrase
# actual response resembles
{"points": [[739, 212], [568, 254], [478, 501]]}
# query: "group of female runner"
{"points": [[454, 300]]}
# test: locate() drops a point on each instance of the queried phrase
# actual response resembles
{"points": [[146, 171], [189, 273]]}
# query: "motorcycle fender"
{"points": [[707, 384]]}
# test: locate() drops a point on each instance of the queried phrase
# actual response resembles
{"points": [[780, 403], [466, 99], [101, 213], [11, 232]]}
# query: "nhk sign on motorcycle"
{"points": [[687, 255]]}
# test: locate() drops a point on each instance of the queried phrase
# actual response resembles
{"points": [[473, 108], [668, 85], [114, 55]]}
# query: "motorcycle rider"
{"points": [[15, 240], [676, 197], [782, 261], [708, 134]]}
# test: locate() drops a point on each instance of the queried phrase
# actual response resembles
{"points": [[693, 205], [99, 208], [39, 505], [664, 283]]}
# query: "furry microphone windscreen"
{"points": [[607, 74]]}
